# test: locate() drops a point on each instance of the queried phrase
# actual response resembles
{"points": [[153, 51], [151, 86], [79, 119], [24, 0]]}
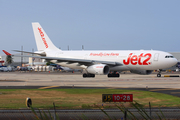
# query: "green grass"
{"points": [[88, 91], [79, 98]]}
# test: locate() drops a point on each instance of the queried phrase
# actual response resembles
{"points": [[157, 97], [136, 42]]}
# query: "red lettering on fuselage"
{"points": [[145, 62], [42, 36], [139, 60], [104, 54], [128, 60], [134, 59]]}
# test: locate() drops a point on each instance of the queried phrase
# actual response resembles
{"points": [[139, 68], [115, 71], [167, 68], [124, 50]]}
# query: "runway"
{"points": [[38, 80], [61, 79]]}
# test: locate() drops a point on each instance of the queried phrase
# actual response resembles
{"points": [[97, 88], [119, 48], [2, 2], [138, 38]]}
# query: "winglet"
{"points": [[6, 52]]}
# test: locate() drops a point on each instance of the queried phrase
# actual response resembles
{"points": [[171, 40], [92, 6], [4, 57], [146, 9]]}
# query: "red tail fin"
{"points": [[6, 52]]}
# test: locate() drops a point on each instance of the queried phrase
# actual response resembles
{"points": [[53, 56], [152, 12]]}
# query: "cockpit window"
{"points": [[169, 56]]}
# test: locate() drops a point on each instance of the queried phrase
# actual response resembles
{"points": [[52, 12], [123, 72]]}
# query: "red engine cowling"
{"points": [[99, 69]]}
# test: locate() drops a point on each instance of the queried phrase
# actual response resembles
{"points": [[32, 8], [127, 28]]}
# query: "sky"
{"points": [[95, 24]]}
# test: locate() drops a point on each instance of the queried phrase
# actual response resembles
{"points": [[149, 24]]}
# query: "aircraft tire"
{"points": [[85, 75], [113, 75], [158, 75], [109, 75], [88, 75], [91, 75], [117, 75]]}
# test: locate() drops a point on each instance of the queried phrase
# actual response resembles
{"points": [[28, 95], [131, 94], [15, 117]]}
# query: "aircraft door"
{"points": [[156, 56]]}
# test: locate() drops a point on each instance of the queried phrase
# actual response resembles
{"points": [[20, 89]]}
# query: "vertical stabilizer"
{"points": [[42, 40]]}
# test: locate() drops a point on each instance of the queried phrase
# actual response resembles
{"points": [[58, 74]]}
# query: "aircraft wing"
{"points": [[74, 60], [86, 62]]}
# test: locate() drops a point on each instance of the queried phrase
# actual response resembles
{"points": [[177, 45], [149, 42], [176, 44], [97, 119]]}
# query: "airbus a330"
{"points": [[101, 62]]}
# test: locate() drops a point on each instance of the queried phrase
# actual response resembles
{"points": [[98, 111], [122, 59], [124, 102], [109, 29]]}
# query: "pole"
{"points": [[125, 114], [21, 55], [54, 111], [33, 58], [150, 109]]}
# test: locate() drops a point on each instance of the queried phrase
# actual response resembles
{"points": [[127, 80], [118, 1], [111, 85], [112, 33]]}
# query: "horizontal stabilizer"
{"points": [[6, 52], [36, 53]]}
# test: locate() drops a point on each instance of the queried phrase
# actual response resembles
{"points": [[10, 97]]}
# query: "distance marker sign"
{"points": [[117, 97]]}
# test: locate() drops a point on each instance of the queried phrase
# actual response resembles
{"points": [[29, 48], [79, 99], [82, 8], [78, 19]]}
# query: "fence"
{"points": [[99, 114]]}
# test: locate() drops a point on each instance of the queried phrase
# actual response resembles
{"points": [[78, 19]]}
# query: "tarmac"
{"points": [[46, 80]]}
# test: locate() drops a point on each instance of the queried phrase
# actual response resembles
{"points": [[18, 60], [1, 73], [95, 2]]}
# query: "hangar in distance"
{"points": [[101, 62]]}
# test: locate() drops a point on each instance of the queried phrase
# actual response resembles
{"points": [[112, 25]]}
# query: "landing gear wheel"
{"points": [[85, 75], [88, 75], [113, 75], [117, 75], [109, 75], [91, 75], [158, 75]]}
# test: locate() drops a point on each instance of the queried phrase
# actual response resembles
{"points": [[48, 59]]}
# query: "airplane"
{"points": [[100, 62]]}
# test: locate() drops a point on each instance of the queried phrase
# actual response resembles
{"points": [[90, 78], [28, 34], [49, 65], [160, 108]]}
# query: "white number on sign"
{"points": [[128, 97], [124, 97], [117, 97]]}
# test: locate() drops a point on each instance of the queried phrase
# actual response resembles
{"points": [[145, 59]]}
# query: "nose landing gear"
{"points": [[159, 73]]}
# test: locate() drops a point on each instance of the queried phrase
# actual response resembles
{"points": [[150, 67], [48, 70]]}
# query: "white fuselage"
{"points": [[130, 59]]}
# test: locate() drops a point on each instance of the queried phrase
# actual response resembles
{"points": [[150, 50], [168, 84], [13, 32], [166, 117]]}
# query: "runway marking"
{"points": [[48, 87], [164, 89]]}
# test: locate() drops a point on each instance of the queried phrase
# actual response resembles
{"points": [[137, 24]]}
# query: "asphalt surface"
{"points": [[90, 114]]}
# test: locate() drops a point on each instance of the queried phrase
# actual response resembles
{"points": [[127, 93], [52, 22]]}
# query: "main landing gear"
{"points": [[159, 73], [114, 74], [88, 75]]}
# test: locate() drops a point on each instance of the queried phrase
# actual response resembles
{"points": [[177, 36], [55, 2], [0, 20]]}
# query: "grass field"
{"points": [[79, 98]]}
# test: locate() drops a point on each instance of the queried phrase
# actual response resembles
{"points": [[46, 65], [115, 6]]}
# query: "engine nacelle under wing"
{"points": [[99, 69], [142, 72]]}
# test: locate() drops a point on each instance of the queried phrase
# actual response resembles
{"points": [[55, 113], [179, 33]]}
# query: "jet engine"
{"points": [[99, 69], [142, 72]]}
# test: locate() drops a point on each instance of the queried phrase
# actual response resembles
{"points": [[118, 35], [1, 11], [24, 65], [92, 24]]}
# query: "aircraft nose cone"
{"points": [[174, 61]]}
